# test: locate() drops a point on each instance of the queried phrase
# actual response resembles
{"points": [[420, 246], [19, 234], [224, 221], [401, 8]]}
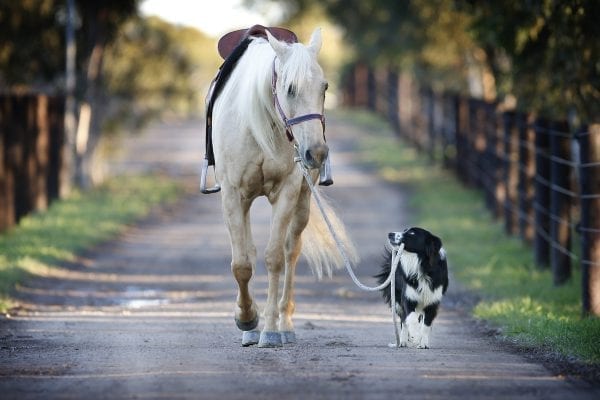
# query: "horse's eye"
{"points": [[292, 91]]}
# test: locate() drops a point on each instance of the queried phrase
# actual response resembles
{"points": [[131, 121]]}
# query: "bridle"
{"points": [[289, 122]]}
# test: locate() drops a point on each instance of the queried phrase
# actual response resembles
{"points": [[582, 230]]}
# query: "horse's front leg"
{"points": [[275, 260], [293, 247], [243, 258]]}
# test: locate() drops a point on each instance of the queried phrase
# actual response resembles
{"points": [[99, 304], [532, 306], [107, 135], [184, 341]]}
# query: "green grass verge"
{"points": [[45, 239], [515, 295]]}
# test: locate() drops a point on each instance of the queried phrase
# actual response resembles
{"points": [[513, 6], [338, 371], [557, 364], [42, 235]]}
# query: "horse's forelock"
{"points": [[298, 67]]}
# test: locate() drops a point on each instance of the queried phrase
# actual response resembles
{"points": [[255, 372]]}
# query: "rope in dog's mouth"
{"points": [[396, 253]]}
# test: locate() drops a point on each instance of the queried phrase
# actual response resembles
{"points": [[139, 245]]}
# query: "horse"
{"points": [[274, 86]]}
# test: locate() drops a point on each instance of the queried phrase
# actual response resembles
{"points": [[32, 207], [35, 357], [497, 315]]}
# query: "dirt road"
{"points": [[150, 314]]}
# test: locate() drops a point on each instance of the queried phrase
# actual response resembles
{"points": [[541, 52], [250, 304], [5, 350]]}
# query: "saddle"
{"points": [[231, 48]]}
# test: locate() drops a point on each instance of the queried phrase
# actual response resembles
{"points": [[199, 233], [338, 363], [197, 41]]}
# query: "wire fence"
{"points": [[541, 177]]}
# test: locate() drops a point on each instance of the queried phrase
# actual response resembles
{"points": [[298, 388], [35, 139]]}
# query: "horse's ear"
{"points": [[315, 41], [279, 47]]}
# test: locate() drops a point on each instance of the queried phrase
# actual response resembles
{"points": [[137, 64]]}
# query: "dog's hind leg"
{"points": [[429, 315]]}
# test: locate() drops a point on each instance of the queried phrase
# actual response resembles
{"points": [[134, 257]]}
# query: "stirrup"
{"points": [[203, 174], [325, 178]]}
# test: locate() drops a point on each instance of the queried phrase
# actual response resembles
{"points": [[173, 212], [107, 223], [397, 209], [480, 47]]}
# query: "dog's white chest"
{"points": [[423, 294]]}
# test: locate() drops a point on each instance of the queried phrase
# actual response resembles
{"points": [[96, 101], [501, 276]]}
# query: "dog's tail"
{"points": [[386, 268], [318, 245]]}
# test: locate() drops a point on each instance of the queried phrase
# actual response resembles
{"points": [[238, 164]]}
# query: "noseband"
{"points": [[289, 122]]}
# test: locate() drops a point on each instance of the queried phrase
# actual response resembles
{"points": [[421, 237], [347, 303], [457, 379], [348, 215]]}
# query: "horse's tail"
{"points": [[318, 245]]}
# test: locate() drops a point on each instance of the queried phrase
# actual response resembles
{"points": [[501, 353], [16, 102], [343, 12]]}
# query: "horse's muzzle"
{"points": [[315, 155]]}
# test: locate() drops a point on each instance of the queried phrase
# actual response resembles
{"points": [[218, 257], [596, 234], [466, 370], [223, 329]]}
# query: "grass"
{"points": [[43, 240], [515, 295]]}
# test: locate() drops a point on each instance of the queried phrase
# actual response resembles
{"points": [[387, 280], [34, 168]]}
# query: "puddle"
{"points": [[136, 297]]}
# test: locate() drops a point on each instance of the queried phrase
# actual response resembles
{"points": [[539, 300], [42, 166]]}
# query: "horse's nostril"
{"points": [[308, 156], [316, 155]]}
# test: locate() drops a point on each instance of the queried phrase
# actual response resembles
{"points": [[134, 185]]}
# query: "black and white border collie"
{"points": [[421, 281]]}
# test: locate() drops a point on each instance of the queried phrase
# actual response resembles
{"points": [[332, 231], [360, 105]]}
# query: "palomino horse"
{"points": [[274, 85]]}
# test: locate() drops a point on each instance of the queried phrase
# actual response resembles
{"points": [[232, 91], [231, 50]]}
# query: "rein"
{"points": [[289, 122], [396, 253]]}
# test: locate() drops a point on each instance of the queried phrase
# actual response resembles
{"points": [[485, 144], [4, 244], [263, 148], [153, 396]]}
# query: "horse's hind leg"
{"points": [[237, 218]]}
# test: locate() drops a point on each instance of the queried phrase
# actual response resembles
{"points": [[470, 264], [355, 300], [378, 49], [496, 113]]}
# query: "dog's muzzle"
{"points": [[395, 239]]}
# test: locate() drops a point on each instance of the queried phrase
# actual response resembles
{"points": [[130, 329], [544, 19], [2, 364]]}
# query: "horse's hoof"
{"points": [[270, 339], [288, 337], [247, 326], [250, 338]]}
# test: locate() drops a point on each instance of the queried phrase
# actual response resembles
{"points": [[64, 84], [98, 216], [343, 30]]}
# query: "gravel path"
{"points": [[150, 314]]}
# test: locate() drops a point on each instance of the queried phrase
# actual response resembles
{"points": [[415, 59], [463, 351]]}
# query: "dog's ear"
{"points": [[433, 246]]}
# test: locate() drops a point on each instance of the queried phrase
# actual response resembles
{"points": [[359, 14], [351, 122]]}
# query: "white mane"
{"points": [[248, 91]]}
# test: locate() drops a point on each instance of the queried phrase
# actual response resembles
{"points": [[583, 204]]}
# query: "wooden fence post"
{"points": [[56, 107], [560, 202], [541, 203], [392, 94], [491, 163], [7, 198], [511, 172], [430, 122], [589, 147], [526, 175], [462, 141], [371, 89], [361, 92], [449, 128]]}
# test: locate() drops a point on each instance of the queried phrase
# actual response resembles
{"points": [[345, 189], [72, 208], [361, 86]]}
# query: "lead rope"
{"points": [[395, 253]]}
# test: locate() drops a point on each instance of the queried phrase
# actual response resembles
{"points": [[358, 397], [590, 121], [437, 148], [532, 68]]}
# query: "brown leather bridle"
{"points": [[289, 122]]}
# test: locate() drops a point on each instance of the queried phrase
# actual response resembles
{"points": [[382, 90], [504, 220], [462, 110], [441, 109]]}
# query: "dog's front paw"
{"points": [[424, 340]]}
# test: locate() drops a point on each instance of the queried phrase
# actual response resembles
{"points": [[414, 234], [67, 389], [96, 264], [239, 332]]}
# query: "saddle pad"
{"points": [[229, 41]]}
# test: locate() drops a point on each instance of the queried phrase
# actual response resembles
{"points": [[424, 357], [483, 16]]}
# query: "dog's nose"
{"points": [[395, 237]]}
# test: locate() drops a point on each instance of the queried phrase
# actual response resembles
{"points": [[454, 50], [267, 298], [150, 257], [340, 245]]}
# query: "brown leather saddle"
{"points": [[231, 40]]}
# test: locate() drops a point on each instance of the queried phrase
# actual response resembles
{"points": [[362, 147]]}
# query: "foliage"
{"points": [[543, 52], [83, 220], [33, 22], [514, 294], [157, 69], [32, 36]]}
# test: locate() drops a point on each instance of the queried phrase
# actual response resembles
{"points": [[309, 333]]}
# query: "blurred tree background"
{"points": [[130, 70], [542, 55]]}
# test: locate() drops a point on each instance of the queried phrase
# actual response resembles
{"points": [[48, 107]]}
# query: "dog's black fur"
{"points": [[421, 281]]}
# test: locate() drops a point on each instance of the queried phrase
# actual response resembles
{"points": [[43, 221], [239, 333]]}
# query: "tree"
{"points": [[32, 57], [100, 23], [157, 69], [545, 52], [426, 38]]}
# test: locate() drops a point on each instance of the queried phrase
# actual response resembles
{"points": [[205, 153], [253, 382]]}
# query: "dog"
{"points": [[421, 282]]}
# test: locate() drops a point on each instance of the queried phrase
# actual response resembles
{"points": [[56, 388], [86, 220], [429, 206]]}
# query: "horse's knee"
{"points": [[274, 260], [242, 271]]}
